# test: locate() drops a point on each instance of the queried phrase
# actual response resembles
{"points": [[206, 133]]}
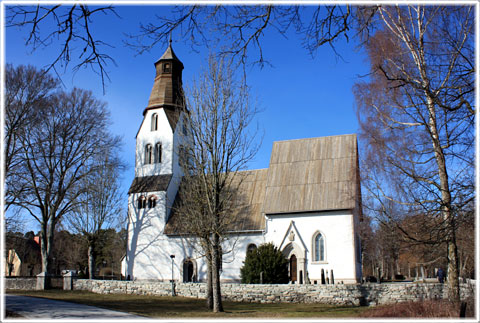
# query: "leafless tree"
{"points": [[416, 114], [71, 26], [100, 204], [57, 150], [220, 141], [26, 89], [239, 29]]}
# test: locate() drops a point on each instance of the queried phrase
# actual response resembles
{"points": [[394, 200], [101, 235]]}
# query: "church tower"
{"points": [[157, 170], [155, 149]]}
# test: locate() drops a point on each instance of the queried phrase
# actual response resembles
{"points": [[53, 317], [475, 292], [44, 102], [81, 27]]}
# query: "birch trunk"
{"points": [[446, 198]]}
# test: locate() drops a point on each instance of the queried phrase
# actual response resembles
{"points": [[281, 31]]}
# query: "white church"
{"points": [[307, 202]]}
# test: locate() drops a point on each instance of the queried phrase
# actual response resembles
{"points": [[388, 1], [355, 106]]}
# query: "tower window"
{"points": [[148, 154], [158, 153], [167, 68], [142, 203], [152, 201], [154, 125]]}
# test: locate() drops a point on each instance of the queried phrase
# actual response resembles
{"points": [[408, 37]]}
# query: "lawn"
{"points": [[178, 307]]}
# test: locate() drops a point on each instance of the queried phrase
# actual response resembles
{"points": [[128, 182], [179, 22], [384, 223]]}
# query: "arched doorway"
{"points": [[293, 268], [188, 271], [295, 255]]}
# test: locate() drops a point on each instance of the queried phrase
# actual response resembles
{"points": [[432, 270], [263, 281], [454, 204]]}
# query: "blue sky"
{"points": [[300, 96]]}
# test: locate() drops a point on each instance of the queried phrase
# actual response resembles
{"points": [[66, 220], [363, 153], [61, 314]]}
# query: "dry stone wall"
{"points": [[22, 283], [365, 294]]}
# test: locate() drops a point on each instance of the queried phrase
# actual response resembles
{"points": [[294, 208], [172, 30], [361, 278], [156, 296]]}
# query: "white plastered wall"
{"points": [[235, 250], [149, 250], [145, 136], [337, 228]]}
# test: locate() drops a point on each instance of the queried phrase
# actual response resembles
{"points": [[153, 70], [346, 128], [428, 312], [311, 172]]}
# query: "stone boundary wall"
{"points": [[24, 283], [355, 294], [30, 283]]}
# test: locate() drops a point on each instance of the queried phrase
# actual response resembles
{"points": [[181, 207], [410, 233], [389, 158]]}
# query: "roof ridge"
{"points": [[315, 138]]}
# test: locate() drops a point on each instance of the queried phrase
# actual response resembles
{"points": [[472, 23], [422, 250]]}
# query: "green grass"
{"points": [[178, 307]]}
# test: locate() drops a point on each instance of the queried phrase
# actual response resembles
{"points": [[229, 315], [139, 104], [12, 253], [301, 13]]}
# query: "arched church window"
{"points": [[251, 247], [152, 202], [318, 247], [158, 153], [142, 203], [154, 125], [148, 154]]}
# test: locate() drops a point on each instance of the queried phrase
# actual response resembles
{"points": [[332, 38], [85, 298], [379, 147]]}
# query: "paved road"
{"points": [[42, 308]]}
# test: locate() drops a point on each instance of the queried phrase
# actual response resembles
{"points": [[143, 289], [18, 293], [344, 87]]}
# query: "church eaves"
{"points": [[156, 183]]}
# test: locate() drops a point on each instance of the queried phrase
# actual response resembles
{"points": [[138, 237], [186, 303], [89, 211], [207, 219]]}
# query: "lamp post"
{"points": [[172, 281], [104, 265]]}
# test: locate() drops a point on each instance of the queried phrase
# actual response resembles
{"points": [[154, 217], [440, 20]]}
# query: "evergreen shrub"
{"points": [[269, 261]]}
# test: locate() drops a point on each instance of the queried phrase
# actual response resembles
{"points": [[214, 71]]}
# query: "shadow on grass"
{"points": [[163, 306]]}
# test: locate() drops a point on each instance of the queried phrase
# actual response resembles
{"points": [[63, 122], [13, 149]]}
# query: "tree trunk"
{"points": [[452, 273], [91, 260], [209, 282], [446, 199], [216, 259], [46, 247], [43, 250]]}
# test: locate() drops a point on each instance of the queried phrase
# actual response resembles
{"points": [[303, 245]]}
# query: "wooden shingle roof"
{"points": [[156, 183], [167, 92], [249, 205], [306, 175], [252, 188], [315, 174]]}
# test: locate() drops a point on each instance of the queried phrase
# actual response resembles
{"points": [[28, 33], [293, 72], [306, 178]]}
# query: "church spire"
{"points": [[167, 87]]}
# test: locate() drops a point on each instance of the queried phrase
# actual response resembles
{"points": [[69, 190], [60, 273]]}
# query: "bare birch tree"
{"points": [[56, 152], [417, 117], [220, 142]]}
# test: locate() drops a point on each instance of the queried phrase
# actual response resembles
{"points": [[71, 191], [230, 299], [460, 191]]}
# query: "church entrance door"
{"points": [[293, 268], [188, 271]]}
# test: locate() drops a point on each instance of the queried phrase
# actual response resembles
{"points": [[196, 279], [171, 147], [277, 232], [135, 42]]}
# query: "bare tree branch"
{"points": [[69, 25]]}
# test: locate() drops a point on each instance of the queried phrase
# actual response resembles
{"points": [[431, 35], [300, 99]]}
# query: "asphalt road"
{"points": [[42, 308]]}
